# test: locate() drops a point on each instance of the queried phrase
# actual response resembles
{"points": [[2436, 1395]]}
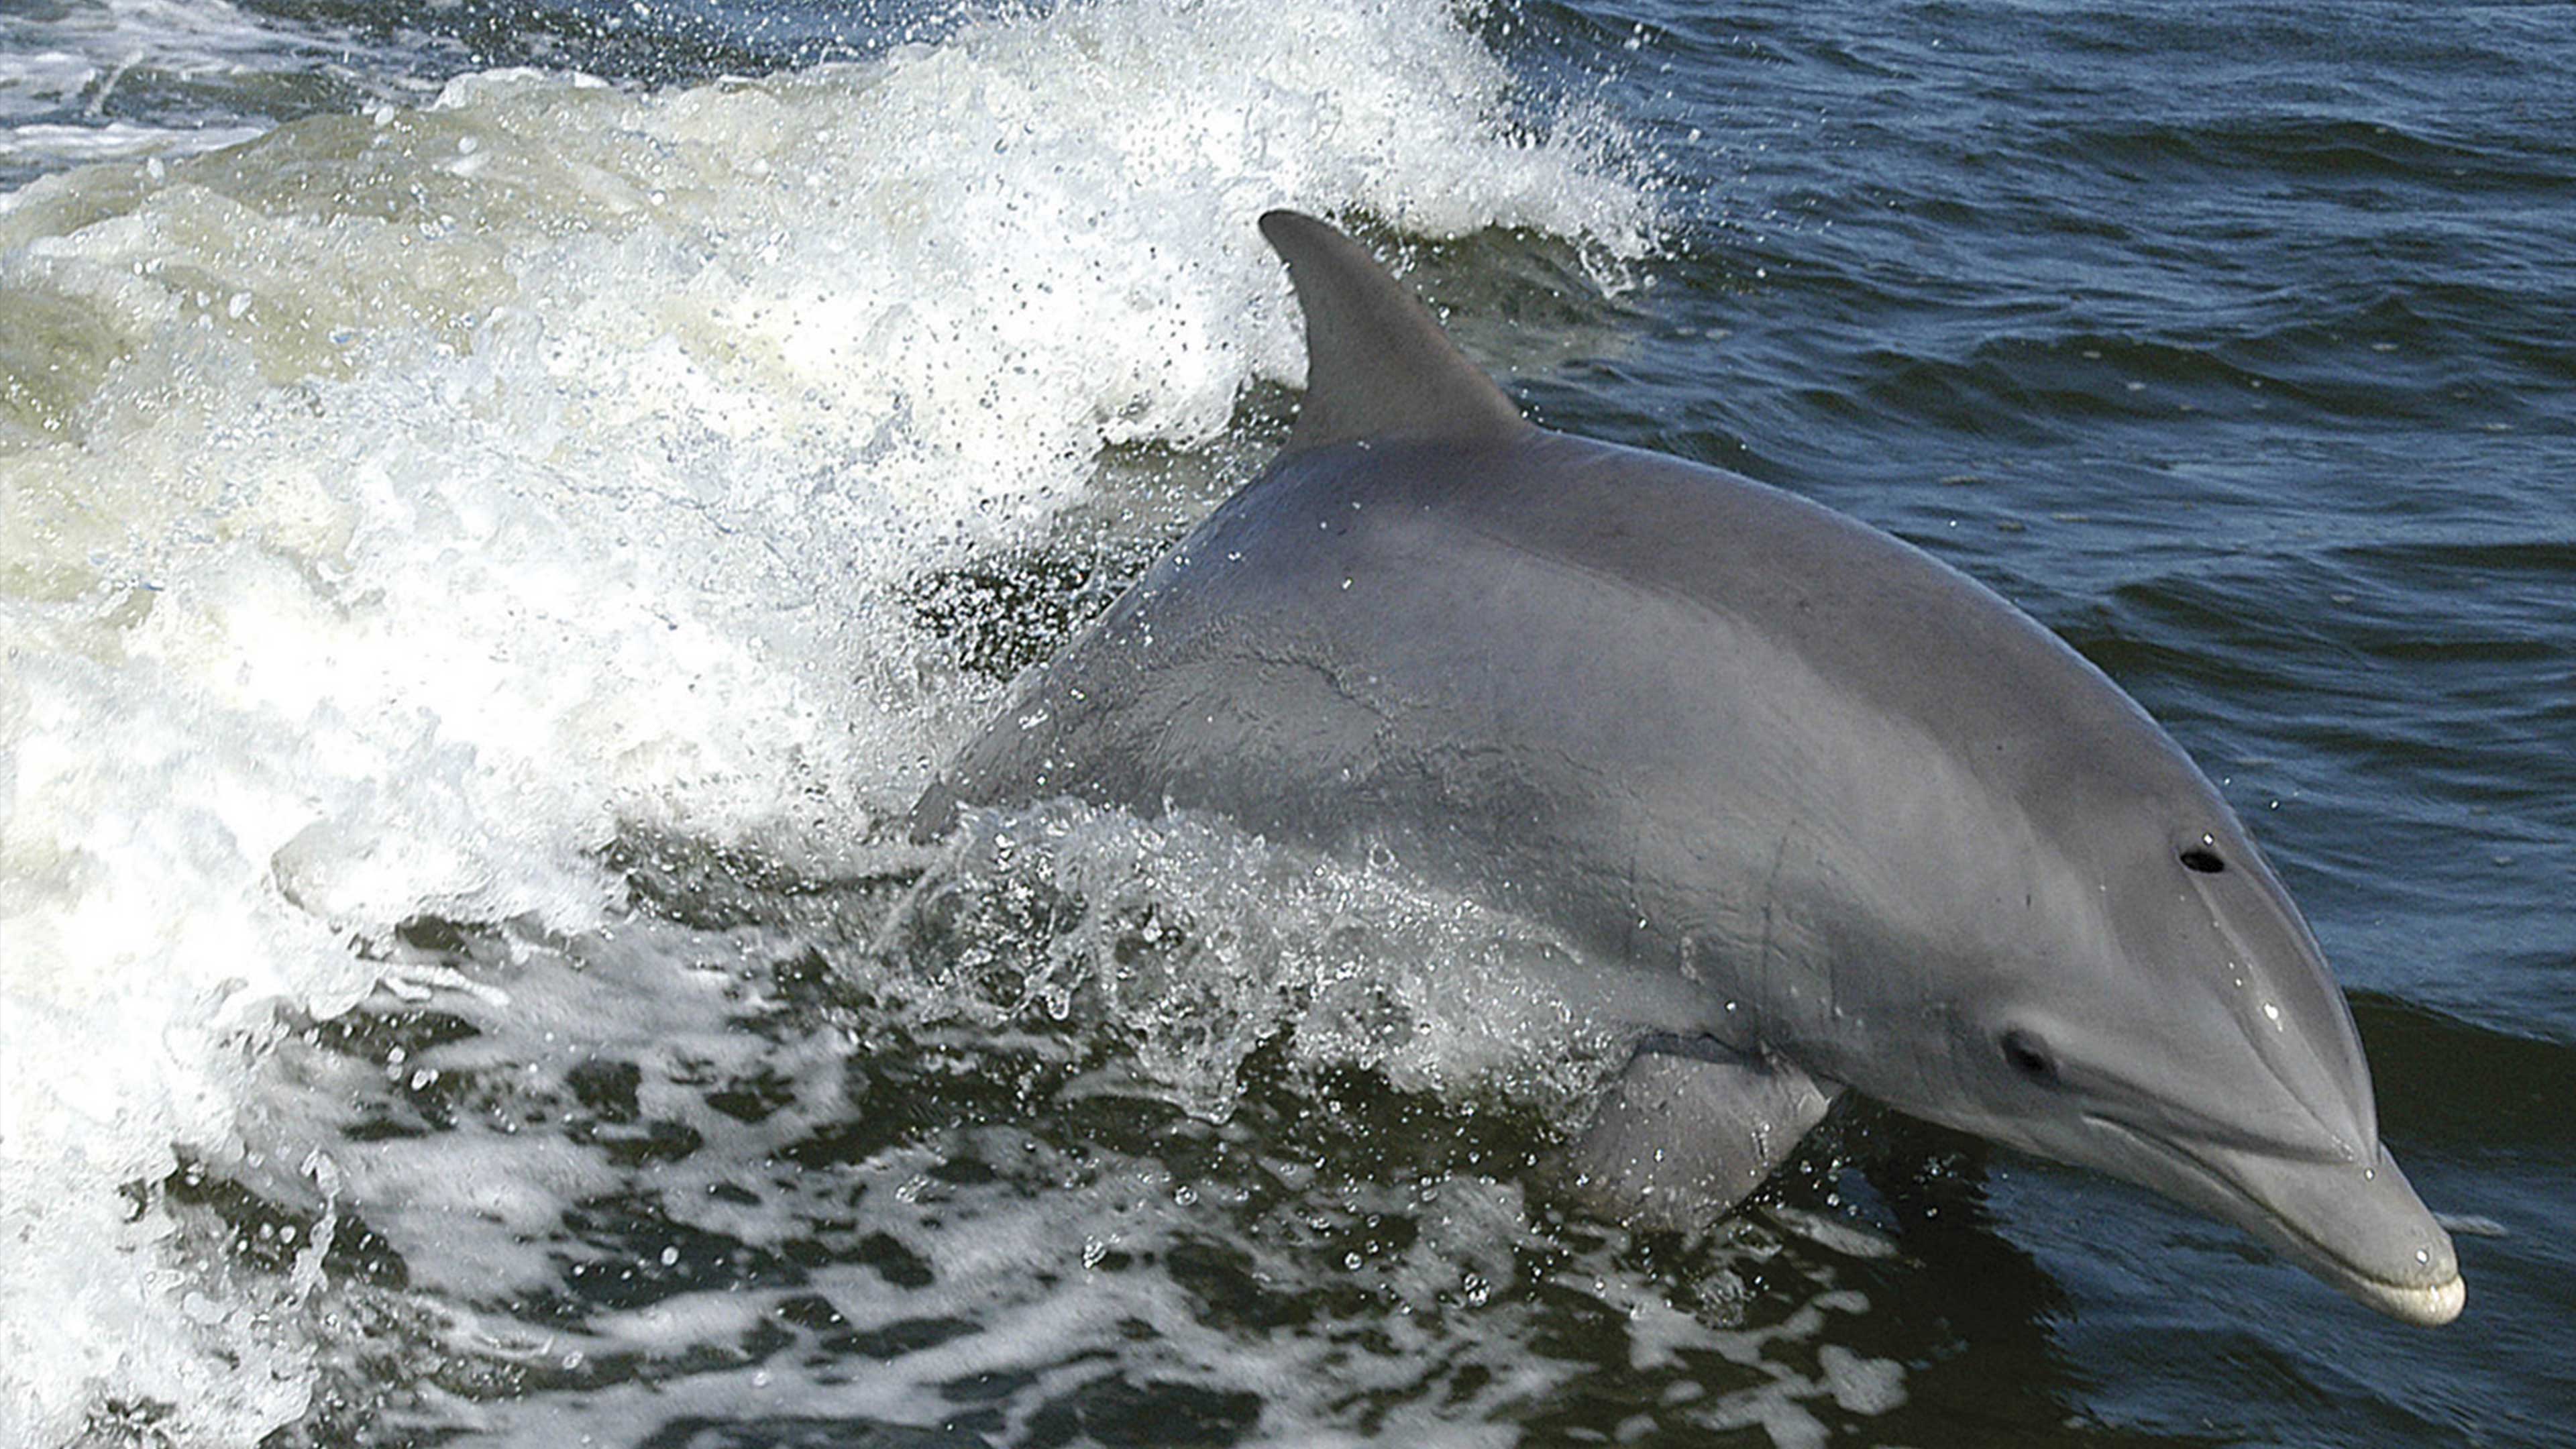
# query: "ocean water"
{"points": [[503, 504]]}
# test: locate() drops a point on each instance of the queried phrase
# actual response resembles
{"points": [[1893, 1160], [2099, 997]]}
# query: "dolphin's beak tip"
{"points": [[2429, 1307], [2434, 1292]]}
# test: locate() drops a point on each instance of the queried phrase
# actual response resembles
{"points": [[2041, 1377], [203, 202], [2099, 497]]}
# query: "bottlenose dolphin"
{"points": [[1822, 812]]}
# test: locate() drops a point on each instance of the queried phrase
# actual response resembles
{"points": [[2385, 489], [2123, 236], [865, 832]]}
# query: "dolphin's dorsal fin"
{"points": [[1377, 364]]}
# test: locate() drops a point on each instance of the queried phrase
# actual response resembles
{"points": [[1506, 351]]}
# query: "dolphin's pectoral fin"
{"points": [[1680, 1139]]}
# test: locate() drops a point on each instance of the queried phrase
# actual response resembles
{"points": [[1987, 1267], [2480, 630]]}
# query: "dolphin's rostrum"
{"points": [[1824, 813]]}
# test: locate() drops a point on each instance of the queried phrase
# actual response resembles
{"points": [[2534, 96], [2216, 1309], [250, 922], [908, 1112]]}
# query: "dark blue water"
{"points": [[2231, 341]]}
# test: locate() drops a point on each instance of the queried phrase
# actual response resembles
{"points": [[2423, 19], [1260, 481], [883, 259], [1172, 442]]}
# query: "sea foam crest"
{"points": [[402, 505]]}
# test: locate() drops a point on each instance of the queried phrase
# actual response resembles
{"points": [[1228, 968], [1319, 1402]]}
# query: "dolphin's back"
{"points": [[1522, 665], [1435, 624]]}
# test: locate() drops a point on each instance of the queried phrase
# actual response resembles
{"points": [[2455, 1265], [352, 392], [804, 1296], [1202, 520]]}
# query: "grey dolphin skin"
{"points": [[1822, 813]]}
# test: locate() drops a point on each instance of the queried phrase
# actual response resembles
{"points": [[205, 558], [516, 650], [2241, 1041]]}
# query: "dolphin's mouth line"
{"points": [[2384, 1291]]}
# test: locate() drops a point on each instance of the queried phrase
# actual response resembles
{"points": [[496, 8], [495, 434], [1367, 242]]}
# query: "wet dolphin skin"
{"points": [[1823, 813]]}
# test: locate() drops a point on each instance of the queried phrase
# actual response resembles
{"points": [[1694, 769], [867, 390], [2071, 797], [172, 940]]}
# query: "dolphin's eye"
{"points": [[2028, 1057], [2203, 859]]}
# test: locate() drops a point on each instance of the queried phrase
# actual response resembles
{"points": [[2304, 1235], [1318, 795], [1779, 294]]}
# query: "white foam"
{"points": [[1377, 1304], [401, 507], [42, 143]]}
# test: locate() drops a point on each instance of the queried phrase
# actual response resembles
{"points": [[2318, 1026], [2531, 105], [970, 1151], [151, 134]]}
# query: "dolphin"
{"points": [[1820, 813]]}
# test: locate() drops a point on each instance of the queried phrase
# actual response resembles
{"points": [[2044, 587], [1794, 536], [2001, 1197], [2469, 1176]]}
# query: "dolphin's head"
{"points": [[2193, 1041], [2148, 1002]]}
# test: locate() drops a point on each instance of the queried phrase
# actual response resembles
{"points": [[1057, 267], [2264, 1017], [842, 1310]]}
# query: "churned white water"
{"points": [[403, 508], [70, 71]]}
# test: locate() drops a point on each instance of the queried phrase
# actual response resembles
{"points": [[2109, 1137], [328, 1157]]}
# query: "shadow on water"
{"points": [[2471, 1089]]}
